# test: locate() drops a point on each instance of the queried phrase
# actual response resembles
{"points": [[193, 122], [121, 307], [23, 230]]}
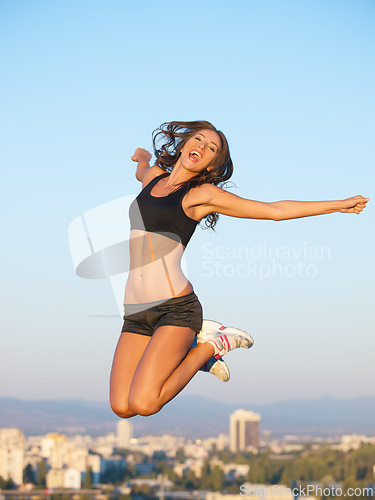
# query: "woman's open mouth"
{"points": [[194, 155]]}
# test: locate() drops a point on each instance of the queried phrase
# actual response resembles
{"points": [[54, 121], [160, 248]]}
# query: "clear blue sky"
{"points": [[291, 84]]}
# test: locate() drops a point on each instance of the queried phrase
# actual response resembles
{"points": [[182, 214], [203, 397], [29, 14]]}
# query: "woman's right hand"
{"points": [[141, 155]]}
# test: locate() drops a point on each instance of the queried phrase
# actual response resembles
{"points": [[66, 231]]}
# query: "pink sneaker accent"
{"points": [[213, 332]]}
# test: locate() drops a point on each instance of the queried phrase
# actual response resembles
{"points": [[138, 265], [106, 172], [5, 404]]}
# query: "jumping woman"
{"points": [[163, 344]]}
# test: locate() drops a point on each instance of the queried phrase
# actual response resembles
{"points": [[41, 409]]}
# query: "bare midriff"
{"points": [[155, 268]]}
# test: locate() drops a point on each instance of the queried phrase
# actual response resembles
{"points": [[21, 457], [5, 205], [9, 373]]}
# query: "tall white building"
{"points": [[124, 433], [54, 448], [244, 430], [12, 443]]}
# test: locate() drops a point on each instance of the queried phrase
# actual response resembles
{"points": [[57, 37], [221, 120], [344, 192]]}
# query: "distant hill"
{"points": [[192, 416]]}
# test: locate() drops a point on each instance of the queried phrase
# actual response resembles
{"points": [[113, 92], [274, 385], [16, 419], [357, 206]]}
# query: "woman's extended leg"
{"points": [[165, 368], [149, 372], [129, 351]]}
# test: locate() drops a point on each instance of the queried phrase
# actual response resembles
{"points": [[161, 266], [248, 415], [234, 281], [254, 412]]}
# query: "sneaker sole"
{"points": [[218, 367], [220, 370]]}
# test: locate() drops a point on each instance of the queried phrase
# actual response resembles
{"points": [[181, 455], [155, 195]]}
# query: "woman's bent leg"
{"points": [[165, 369], [129, 351]]}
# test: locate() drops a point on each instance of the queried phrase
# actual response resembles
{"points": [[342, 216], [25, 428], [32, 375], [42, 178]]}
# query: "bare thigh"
{"points": [[129, 351], [148, 372], [160, 373]]}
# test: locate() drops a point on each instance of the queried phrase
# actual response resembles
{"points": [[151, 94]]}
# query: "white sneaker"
{"points": [[217, 367], [223, 338]]}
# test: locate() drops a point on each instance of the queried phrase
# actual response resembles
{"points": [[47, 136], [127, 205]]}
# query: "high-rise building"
{"points": [[54, 448], [124, 433], [12, 444], [244, 430]]}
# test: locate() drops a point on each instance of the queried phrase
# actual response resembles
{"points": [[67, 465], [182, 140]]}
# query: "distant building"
{"points": [[222, 442], [353, 442], [124, 433], [12, 444], [54, 449], [68, 478], [244, 430], [65, 457], [94, 462], [55, 478], [115, 463], [72, 479]]}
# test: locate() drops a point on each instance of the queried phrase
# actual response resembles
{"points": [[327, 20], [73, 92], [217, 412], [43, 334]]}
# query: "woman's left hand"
{"points": [[354, 205]]}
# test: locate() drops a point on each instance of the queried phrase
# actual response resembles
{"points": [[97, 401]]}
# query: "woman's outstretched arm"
{"points": [[223, 202], [289, 209]]}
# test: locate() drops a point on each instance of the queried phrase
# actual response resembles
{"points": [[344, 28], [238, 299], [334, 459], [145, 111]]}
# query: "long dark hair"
{"points": [[171, 137]]}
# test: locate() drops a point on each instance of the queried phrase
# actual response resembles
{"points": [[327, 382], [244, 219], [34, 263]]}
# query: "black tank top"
{"points": [[163, 215]]}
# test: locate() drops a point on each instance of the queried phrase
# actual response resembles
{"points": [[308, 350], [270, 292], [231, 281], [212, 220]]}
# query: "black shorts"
{"points": [[178, 311]]}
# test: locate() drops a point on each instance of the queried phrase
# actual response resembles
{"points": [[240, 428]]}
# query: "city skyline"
{"points": [[81, 462], [290, 85]]}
